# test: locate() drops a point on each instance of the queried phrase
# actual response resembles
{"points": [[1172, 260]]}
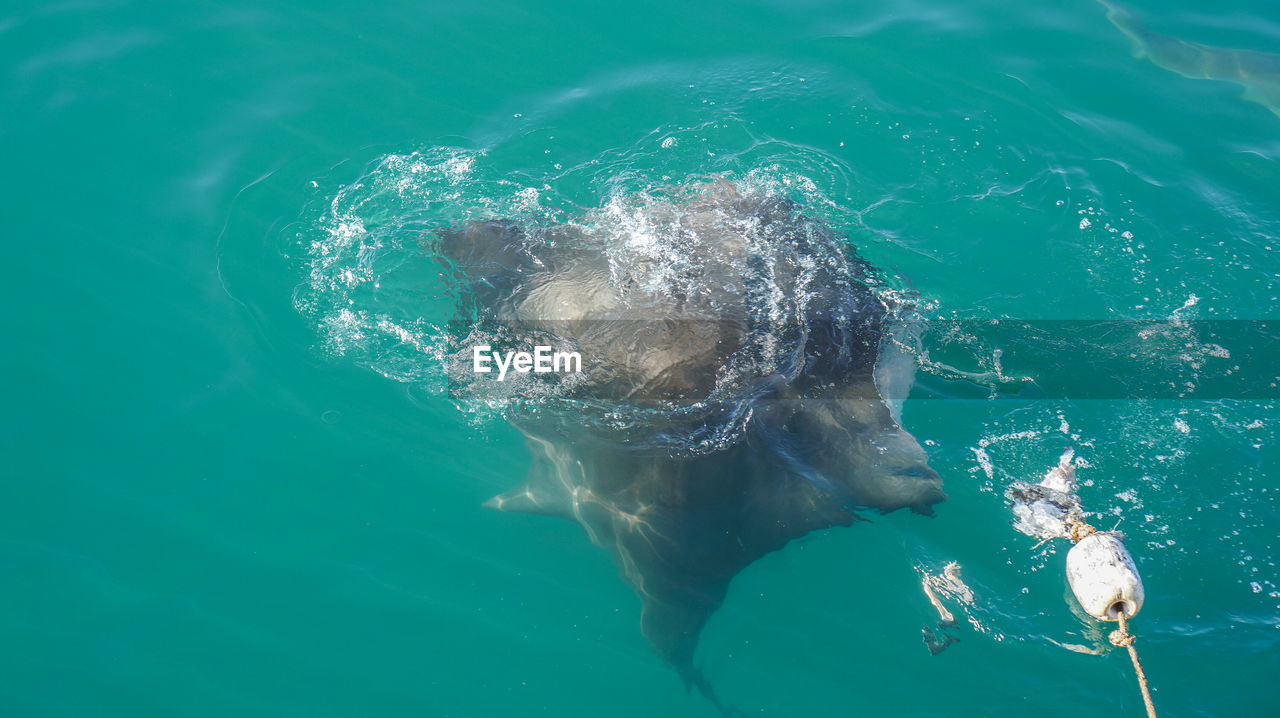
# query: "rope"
{"points": [[1121, 638], [1079, 531]]}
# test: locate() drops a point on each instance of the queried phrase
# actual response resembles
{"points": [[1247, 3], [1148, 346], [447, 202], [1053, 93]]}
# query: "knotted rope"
{"points": [[1079, 531], [1121, 638]]}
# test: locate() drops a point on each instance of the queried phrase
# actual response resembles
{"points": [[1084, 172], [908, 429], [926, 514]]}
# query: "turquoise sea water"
{"points": [[221, 498]]}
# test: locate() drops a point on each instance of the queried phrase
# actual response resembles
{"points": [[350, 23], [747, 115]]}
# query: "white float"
{"points": [[1103, 577]]}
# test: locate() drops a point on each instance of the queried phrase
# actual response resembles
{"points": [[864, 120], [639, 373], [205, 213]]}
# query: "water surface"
{"points": [[210, 511]]}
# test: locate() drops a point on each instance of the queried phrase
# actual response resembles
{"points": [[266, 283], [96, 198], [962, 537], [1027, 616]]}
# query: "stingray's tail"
{"points": [[693, 678], [671, 622]]}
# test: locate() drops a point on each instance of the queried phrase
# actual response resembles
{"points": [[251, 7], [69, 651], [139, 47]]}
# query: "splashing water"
{"points": [[382, 293]]}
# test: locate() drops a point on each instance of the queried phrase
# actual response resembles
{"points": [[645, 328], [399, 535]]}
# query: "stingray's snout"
{"points": [[920, 487], [890, 486]]}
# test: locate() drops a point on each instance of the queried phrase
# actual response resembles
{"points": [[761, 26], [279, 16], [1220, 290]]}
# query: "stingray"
{"points": [[1257, 72], [737, 389]]}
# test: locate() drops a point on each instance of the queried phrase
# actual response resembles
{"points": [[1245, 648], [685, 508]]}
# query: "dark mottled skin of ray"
{"points": [[819, 446]]}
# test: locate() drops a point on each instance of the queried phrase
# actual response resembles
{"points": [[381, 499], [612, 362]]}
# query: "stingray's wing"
{"points": [[487, 248], [479, 249]]}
